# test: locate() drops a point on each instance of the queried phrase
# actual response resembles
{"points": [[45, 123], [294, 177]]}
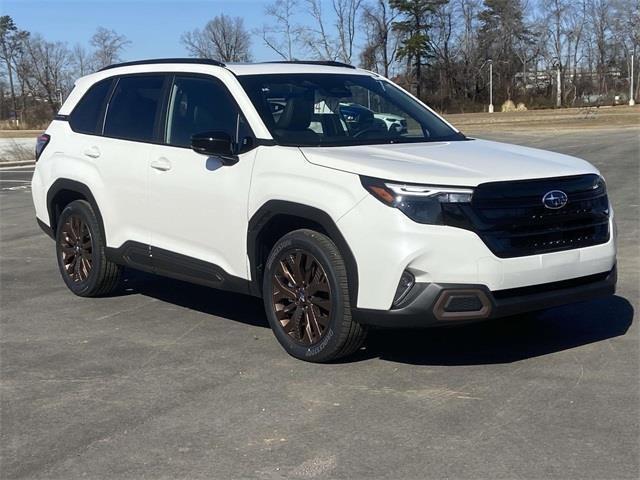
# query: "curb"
{"points": [[21, 163]]}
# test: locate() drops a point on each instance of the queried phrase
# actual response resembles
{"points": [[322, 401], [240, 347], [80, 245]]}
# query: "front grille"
{"points": [[512, 220]]}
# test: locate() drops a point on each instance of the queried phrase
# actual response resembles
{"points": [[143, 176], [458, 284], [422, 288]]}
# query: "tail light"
{"points": [[41, 142]]}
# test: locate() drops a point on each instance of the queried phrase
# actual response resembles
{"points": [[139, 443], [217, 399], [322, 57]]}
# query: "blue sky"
{"points": [[153, 26]]}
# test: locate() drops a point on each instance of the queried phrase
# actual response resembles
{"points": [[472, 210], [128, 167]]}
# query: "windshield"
{"points": [[337, 110]]}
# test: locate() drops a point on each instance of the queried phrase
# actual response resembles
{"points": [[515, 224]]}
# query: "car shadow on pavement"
{"points": [[504, 340], [498, 341], [228, 305]]}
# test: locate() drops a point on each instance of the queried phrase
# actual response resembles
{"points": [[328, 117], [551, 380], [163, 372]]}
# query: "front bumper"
{"points": [[427, 303], [440, 254]]}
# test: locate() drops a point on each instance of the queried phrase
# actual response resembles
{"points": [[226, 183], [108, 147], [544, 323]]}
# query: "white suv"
{"points": [[184, 168]]}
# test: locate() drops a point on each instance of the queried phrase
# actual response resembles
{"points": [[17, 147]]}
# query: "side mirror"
{"points": [[215, 144]]}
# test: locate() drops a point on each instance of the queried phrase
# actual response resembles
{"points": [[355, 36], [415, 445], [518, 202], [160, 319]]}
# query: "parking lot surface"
{"points": [[170, 380]]}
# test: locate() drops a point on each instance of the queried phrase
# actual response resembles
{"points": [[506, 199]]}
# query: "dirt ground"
{"points": [[19, 133], [565, 119]]}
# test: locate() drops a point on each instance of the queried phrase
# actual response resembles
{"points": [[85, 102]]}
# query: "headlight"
{"points": [[421, 203]]}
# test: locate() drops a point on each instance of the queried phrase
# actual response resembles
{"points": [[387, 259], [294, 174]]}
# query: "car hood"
{"points": [[465, 163]]}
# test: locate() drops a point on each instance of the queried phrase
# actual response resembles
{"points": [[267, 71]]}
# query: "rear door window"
{"points": [[134, 107], [88, 114]]}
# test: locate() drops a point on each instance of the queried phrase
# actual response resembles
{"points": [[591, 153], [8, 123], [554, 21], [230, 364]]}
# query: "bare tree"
{"points": [[10, 43], [327, 41], [108, 45], [21, 65], [317, 38], [48, 74], [576, 24], [224, 38], [346, 12], [558, 33], [466, 38], [382, 42], [281, 34], [82, 60], [600, 22], [625, 28], [443, 48]]}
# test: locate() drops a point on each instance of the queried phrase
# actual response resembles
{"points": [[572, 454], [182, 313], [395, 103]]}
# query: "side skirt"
{"points": [[174, 265]]}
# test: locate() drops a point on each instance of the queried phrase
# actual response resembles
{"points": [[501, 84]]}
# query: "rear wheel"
{"points": [[306, 298], [80, 248]]}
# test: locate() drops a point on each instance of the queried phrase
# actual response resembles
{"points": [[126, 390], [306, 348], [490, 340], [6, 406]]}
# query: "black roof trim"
{"points": [[328, 63], [152, 61]]}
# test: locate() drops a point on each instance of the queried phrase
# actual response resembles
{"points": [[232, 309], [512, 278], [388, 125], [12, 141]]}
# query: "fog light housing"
{"points": [[407, 281], [462, 304]]}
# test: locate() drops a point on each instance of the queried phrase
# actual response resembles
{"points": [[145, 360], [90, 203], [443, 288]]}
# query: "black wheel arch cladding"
{"points": [[64, 188], [260, 222]]}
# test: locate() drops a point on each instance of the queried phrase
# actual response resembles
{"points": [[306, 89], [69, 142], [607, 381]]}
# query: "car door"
{"points": [[131, 123], [198, 206]]}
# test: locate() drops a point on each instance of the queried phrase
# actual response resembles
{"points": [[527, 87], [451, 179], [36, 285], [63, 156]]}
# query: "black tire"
{"points": [[103, 276], [341, 335]]}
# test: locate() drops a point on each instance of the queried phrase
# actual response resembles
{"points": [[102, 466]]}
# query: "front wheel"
{"points": [[306, 297]]}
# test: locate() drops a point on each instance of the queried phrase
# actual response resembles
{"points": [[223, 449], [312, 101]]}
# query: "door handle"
{"points": [[161, 164], [92, 152]]}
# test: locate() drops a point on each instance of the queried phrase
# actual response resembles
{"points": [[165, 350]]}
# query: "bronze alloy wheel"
{"points": [[301, 296], [76, 249]]}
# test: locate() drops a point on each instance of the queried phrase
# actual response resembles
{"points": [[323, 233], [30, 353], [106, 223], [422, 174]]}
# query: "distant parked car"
{"points": [[394, 123], [356, 113]]}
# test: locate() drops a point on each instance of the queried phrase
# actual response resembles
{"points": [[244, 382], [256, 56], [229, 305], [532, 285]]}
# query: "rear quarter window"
{"points": [[88, 114]]}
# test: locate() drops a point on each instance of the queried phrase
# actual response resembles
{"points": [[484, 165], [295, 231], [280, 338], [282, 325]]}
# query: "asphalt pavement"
{"points": [[170, 380]]}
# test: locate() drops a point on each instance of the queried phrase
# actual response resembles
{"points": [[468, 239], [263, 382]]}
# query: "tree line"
{"points": [[542, 54], [37, 74]]}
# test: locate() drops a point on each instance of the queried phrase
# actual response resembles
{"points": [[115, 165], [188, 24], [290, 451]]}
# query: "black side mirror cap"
{"points": [[215, 144]]}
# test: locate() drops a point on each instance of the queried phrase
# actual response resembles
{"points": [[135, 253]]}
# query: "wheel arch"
{"points": [[276, 218], [64, 191]]}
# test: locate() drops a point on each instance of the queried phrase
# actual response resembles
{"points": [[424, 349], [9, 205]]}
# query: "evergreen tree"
{"points": [[414, 30], [502, 28]]}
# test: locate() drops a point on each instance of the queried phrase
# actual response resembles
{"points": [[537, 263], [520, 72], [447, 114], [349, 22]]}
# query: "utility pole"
{"points": [[490, 86], [632, 102]]}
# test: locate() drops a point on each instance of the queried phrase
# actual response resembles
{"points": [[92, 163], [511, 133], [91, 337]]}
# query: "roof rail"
{"points": [[328, 63], [204, 61]]}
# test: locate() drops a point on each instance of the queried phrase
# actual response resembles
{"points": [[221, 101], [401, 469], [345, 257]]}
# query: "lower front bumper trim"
{"points": [[429, 304]]}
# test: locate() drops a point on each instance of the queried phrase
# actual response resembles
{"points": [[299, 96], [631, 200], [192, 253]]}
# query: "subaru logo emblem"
{"points": [[555, 199]]}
